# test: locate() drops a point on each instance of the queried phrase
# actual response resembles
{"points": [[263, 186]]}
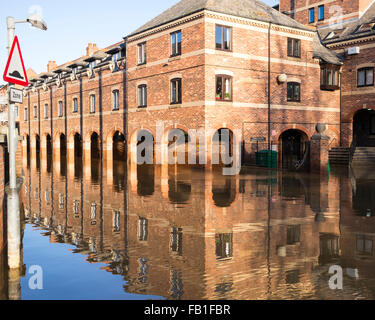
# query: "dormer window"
{"points": [[116, 56]]}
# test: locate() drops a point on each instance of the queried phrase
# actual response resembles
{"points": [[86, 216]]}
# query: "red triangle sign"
{"points": [[15, 70]]}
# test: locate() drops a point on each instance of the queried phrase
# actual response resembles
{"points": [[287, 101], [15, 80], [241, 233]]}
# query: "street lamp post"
{"points": [[13, 208]]}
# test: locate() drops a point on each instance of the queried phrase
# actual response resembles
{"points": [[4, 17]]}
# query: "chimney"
{"points": [[51, 66], [91, 49]]}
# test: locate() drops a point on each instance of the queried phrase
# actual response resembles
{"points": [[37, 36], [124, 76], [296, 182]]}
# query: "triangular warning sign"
{"points": [[15, 70]]}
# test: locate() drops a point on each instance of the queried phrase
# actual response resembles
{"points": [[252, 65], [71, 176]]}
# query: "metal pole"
{"points": [[13, 208]]}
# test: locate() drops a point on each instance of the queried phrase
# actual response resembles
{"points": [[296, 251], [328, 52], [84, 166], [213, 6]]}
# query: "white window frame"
{"points": [[141, 49]]}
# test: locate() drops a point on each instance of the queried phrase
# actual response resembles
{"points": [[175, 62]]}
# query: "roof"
{"points": [[358, 29], [251, 9], [325, 54]]}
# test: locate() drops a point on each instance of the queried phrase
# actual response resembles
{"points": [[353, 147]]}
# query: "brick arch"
{"points": [[298, 128], [350, 116], [133, 141]]}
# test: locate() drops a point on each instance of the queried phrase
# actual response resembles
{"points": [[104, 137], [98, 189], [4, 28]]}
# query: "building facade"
{"points": [[189, 69]]}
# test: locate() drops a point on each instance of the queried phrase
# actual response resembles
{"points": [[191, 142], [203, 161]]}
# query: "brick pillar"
{"points": [[108, 160], [319, 196], [70, 157], [319, 153], [87, 159]]}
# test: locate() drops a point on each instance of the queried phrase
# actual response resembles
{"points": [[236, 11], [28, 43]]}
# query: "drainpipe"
{"points": [[340, 109], [269, 86]]}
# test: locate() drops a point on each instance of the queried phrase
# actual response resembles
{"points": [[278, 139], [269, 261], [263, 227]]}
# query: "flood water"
{"points": [[147, 232]]}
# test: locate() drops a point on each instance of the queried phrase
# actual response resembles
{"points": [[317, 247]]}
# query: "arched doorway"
{"points": [[28, 150], [78, 152], [294, 145], [222, 147], [178, 147], [37, 150], [49, 153], [145, 163], [364, 128], [95, 156], [119, 161], [63, 147]]}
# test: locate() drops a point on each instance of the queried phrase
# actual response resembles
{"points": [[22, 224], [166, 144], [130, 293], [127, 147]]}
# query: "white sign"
{"points": [[353, 50], [16, 95]]}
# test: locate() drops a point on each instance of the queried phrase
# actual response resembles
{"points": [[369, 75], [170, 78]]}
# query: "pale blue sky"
{"points": [[72, 24]]}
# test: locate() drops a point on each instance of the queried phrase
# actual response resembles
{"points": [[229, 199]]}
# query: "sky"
{"points": [[72, 24]]}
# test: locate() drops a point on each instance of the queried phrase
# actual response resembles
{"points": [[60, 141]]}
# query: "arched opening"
{"points": [[63, 147], [28, 150], [364, 128], [222, 147], [49, 153], [119, 161], [179, 184], [37, 150], [119, 147], [95, 157], [78, 152], [178, 147], [223, 191], [294, 145], [145, 163]]}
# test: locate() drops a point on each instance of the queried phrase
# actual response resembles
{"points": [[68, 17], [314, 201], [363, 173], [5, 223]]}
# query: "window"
{"points": [[311, 15], [142, 53], [176, 241], [76, 207], [93, 211], [330, 78], [16, 109], [116, 221], [92, 103], [47, 196], [321, 13], [116, 56], [25, 115], [75, 105], [46, 111], [92, 64], [143, 229], [293, 234], [365, 77], [175, 43], [364, 245], [176, 91], [142, 96], [294, 48], [35, 112], [224, 246], [61, 201], [61, 113], [224, 88], [116, 99], [223, 38], [294, 92]]}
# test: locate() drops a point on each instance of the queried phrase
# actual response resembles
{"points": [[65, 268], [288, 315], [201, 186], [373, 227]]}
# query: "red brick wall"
{"points": [[350, 9]]}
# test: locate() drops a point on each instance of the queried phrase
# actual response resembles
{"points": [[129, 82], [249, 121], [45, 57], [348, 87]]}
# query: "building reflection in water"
{"points": [[183, 233]]}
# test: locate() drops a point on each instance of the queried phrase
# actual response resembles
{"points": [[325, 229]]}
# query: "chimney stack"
{"points": [[91, 49], [51, 66]]}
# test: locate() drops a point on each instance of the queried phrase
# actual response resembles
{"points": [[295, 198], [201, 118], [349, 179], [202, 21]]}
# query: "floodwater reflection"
{"points": [[181, 233]]}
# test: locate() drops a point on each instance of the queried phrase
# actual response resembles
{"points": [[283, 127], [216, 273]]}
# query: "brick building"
{"points": [[352, 37], [241, 66]]}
